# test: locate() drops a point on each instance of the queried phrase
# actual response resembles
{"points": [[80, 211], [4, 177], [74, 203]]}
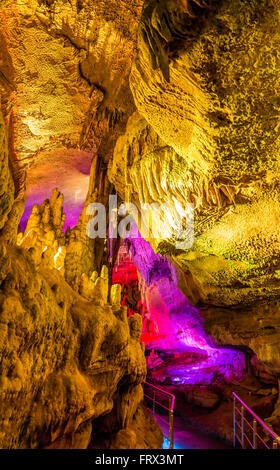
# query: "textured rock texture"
{"points": [[205, 82], [85, 50], [64, 361], [176, 102], [68, 356], [166, 90], [6, 180], [254, 327], [142, 433], [64, 69], [194, 64]]}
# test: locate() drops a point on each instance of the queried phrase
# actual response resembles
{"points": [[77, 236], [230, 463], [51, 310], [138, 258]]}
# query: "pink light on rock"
{"points": [[179, 326]]}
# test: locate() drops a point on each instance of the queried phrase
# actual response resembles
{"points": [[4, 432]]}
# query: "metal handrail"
{"points": [[255, 434], [170, 409]]}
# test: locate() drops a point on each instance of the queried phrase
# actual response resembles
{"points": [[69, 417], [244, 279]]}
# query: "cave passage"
{"points": [[178, 349], [68, 171]]}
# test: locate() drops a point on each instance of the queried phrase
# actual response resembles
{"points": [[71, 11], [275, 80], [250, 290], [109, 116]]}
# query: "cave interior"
{"points": [[139, 219]]}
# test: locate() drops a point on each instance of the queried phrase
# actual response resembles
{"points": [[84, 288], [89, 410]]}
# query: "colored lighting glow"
{"points": [[66, 170], [174, 327]]}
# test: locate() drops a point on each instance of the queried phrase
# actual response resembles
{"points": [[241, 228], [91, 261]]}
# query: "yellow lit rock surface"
{"points": [[115, 295], [82, 48], [62, 356], [44, 233], [173, 102], [6, 180], [205, 82]]}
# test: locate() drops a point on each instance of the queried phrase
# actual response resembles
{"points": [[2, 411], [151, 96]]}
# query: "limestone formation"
{"points": [[170, 102], [56, 351], [85, 252], [6, 181], [142, 433], [115, 295], [207, 135], [83, 48], [255, 327]]}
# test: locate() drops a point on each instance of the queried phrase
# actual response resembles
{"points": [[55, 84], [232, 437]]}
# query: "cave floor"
{"points": [[186, 437]]}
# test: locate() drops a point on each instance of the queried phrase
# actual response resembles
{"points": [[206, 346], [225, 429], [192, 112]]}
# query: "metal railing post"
{"points": [[234, 437], [255, 434], [242, 427], [257, 426], [171, 425], [169, 407]]}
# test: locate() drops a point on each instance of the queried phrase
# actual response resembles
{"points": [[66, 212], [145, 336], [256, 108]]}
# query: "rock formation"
{"points": [[168, 102], [68, 356], [63, 358]]}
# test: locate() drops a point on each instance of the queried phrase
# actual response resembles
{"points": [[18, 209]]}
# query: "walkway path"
{"points": [[186, 437]]}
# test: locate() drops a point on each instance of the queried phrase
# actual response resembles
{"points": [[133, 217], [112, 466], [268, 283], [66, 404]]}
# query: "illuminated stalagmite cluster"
{"points": [[156, 102]]}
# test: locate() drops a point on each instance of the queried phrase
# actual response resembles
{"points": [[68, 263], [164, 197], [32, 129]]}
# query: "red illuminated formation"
{"points": [[124, 272], [139, 220]]}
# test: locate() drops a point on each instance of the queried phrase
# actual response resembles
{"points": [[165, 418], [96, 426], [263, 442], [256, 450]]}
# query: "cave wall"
{"points": [[85, 50], [66, 359], [68, 355], [6, 180], [205, 81], [62, 358], [170, 101]]}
